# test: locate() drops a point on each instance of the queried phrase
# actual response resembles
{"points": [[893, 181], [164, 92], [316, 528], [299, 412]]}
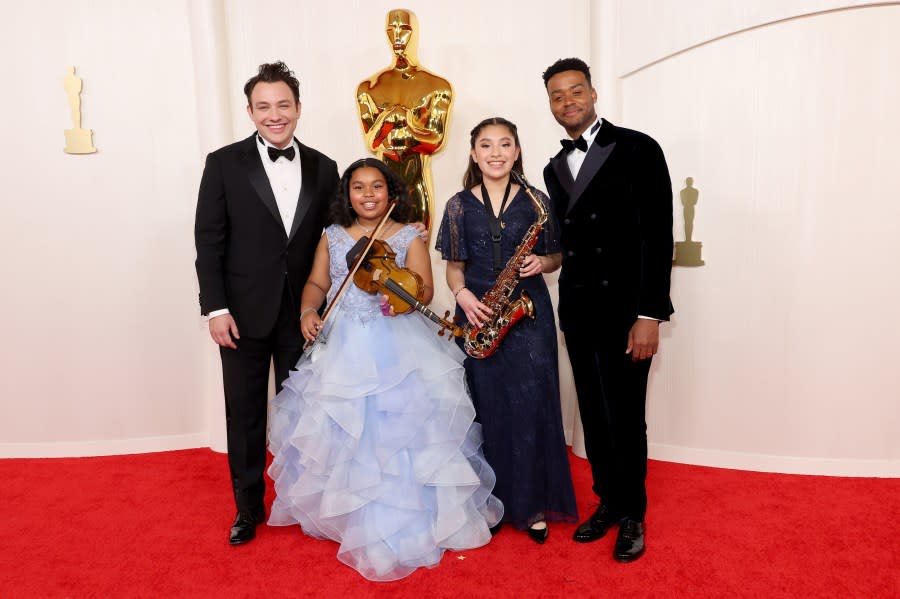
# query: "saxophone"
{"points": [[483, 342]]}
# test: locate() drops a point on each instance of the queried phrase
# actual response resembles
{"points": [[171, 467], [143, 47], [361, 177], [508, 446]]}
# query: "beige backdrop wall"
{"points": [[105, 350], [779, 356], [102, 346], [782, 352]]}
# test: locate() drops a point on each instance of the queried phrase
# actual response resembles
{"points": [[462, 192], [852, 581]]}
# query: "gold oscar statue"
{"points": [[78, 140], [687, 252], [404, 112]]}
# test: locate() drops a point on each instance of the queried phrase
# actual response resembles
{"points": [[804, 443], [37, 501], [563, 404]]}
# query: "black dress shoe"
{"points": [[495, 528], [243, 529], [596, 526], [539, 535], [630, 542]]}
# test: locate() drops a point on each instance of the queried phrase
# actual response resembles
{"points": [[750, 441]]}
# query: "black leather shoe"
{"points": [[596, 526], [539, 535], [630, 542], [243, 529], [495, 528]]}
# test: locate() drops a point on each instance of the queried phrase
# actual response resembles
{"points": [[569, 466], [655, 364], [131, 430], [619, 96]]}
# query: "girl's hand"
{"points": [[386, 308], [531, 266], [310, 325], [476, 312]]}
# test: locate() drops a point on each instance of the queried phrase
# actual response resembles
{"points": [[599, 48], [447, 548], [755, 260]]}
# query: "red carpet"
{"points": [[155, 525]]}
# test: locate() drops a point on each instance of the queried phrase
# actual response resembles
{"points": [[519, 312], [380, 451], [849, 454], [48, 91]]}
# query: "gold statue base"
{"points": [[78, 141], [687, 253]]}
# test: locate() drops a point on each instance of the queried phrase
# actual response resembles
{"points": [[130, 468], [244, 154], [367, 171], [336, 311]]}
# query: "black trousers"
{"points": [[612, 393], [245, 372]]}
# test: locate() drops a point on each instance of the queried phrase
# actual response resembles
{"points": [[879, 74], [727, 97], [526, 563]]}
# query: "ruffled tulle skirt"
{"points": [[375, 448]]}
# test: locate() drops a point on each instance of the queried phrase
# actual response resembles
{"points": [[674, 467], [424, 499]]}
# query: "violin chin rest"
{"points": [[353, 253]]}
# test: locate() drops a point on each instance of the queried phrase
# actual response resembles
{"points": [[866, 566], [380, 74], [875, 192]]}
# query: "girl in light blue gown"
{"points": [[373, 436]]}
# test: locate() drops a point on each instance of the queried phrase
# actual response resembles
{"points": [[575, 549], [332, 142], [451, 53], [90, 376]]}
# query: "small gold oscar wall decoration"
{"points": [[78, 140], [688, 252]]}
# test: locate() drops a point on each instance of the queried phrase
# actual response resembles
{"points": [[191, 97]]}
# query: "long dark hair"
{"points": [[473, 174], [342, 212]]}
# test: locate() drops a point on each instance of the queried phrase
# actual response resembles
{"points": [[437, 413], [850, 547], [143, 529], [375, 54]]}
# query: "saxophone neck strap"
{"points": [[495, 224]]}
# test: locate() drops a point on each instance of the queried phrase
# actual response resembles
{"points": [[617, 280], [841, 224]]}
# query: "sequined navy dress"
{"points": [[516, 390]]}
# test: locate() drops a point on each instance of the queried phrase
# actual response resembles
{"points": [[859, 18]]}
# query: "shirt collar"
{"points": [[591, 132], [265, 143], [263, 146]]}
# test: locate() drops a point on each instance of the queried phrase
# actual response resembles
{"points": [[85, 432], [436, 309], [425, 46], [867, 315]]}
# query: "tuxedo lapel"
{"points": [[258, 179], [597, 154], [563, 174], [307, 188]]}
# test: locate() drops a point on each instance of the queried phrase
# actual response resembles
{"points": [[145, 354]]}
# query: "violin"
{"points": [[378, 272], [359, 251]]}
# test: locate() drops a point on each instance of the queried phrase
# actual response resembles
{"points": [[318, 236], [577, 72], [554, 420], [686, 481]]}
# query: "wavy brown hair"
{"points": [[271, 72]]}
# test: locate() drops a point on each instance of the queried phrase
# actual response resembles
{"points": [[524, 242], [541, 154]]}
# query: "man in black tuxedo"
{"points": [[261, 209], [610, 188]]}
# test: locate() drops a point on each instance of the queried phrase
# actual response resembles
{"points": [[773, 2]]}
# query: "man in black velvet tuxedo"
{"points": [[261, 209], [611, 190]]}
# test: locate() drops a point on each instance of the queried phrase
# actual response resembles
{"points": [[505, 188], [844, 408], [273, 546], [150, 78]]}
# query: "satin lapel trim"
{"points": [[260, 182], [307, 185], [596, 156], [563, 174]]}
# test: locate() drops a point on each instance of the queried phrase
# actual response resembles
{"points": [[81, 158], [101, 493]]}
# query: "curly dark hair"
{"points": [[567, 64], [342, 212], [271, 72], [473, 175]]}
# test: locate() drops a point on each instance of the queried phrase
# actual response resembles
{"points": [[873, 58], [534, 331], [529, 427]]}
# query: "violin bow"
{"points": [[356, 264]]}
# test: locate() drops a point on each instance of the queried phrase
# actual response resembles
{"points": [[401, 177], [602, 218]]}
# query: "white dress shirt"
{"points": [[575, 158], [285, 178]]}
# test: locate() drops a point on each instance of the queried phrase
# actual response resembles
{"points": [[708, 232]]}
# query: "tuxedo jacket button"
{"points": [[605, 283], [598, 250], [570, 253], [567, 221]]}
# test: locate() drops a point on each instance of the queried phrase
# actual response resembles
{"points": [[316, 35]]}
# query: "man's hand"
{"points": [[224, 330], [420, 229], [643, 339]]}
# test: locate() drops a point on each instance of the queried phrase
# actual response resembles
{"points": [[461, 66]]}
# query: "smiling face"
{"points": [[495, 152], [572, 101], [368, 194], [275, 112]]}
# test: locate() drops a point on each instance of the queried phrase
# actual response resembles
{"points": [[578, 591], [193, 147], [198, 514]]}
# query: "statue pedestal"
{"points": [[78, 141], [687, 253]]}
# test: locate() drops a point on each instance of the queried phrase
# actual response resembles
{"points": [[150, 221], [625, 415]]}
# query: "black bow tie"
{"points": [[570, 144], [288, 153]]}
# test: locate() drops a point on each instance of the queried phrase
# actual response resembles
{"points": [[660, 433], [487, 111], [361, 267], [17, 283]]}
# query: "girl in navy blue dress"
{"points": [[515, 390]]}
